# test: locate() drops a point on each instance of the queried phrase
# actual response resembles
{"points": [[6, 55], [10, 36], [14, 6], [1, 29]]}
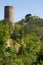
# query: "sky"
{"points": [[22, 7]]}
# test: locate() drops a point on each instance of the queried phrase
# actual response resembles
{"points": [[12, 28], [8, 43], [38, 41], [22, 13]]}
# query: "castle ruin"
{"points": [[9, 13]]}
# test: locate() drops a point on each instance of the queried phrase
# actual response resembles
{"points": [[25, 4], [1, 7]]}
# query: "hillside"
{"points": [[32, 25], [22, 44]]}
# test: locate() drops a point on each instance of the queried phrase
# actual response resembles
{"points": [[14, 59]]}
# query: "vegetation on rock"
{"points": [[26, 42]]}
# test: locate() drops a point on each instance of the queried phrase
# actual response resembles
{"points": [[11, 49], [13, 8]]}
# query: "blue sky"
{"points": [[22, 7]]}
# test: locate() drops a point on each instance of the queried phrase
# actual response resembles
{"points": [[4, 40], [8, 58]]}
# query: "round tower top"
{"points": [[9, 7]]}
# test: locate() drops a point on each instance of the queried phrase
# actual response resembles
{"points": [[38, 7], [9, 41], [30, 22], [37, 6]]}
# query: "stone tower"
{"points": [[9, 13]]}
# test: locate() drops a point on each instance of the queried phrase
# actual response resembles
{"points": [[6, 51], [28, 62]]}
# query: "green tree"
{"points": [[4, 35]]}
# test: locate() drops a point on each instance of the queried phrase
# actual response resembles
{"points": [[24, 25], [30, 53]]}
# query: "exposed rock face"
{"points": [[9, 42]]}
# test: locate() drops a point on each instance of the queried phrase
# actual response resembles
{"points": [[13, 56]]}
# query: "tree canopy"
{"points": [[22, 44]]}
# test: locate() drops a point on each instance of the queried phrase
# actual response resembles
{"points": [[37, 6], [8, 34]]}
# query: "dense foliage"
{"points": [[22, 44]]}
